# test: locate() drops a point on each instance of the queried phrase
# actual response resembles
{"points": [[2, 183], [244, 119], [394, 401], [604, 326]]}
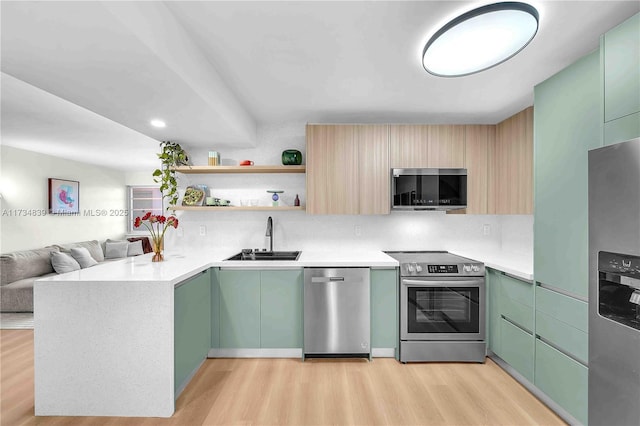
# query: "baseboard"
{"points": [[256, 353], [187, 380], [383, 352], [564, 414], [282, 353]]}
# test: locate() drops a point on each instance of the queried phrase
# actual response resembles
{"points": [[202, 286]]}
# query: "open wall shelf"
{"points": [[239, 169], [237, 208]]}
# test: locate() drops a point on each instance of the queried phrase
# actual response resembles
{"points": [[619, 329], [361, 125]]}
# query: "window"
{"points": [[143, 199]]}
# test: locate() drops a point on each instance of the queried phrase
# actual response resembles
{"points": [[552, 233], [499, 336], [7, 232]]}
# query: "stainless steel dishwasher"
{"points": [[337, 312]]}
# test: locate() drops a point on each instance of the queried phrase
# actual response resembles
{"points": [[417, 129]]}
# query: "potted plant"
{"points": [[172, 156]]}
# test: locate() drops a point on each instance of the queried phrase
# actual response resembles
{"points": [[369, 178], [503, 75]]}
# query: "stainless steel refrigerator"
{"points": [[614, 284]]}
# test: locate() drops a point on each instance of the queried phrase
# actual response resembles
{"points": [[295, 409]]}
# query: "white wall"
{"points": [[296, 230], [23, 184]]}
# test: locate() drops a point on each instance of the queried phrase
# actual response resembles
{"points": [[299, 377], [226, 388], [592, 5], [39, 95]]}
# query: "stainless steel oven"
{"points": [[442, 307]]}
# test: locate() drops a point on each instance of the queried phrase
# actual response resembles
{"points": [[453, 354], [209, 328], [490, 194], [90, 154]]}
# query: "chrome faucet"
{"points": [[269, 233]]}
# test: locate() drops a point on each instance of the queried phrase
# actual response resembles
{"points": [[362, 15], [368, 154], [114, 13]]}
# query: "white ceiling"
{"points": [[215, 70]]}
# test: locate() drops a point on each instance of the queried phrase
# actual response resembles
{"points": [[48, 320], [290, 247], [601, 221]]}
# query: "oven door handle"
{"points": [[456, 283]]}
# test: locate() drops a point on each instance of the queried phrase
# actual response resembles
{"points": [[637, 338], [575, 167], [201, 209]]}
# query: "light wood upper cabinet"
{"points": [[409, 145], [347, 169], [348, 166], [425, 145], [479, 142], [373, 168], [332, 172], [513, 175], [446, 146]]}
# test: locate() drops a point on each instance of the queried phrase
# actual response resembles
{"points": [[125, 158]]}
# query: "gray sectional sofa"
{"points": [[19, 270]]}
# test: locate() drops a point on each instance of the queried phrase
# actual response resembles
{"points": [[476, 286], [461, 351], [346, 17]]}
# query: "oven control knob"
{"points": [[418, 268], [475, 268], [466, 268], [410, 268]]}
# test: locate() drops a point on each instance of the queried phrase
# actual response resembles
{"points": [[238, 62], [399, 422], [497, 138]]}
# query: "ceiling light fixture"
{"points": [[158, 123], [480, 39]]}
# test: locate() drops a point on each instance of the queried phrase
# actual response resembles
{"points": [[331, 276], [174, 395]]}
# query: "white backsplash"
{"points": [[295, 230], [397, 231]]}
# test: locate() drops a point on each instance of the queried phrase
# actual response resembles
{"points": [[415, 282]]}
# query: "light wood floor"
{"points": [[316, 392]]}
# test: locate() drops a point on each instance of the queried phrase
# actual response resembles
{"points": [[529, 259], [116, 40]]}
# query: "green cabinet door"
{"points": [[239, 308], [517, 348], [516, 303], [281, 305], [192, 326], [384, 308], [567, 123], [563, 379], [621, 69], [494, 312]]}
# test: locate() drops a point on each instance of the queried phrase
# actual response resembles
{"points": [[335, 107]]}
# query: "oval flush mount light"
{"points": [[480, 39], [158, 123]]}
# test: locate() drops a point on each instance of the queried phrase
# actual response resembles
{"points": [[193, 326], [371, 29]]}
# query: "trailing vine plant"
{"points": [[172, 155]]}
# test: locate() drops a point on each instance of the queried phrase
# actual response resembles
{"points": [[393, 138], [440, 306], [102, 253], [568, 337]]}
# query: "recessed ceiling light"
{"points": [[480, 39], [158, 123]]}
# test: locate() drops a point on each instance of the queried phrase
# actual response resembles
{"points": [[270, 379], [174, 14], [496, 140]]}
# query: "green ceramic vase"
{"points": [[291, 157]]}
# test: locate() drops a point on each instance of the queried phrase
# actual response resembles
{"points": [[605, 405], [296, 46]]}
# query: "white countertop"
{"points": [[517, 264], [179, 266]]}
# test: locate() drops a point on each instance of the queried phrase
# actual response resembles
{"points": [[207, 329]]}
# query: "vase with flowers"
{"points": [[157, 226]]}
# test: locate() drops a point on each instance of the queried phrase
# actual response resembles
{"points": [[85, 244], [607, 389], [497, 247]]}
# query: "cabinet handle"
{"points": [[515, 324], [562, 351]]}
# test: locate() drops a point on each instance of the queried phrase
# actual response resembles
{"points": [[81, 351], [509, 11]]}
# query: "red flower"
{"points": [[137, 222], [172, 221], [162, 219], [146, 216]]}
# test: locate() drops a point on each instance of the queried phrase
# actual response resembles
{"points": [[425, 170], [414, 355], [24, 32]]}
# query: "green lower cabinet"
{"points": [[239, 308], [254, 309], [563, 379], [563, 321], [517, 348], [384, 308], [192, 327], [281, 306], [516, 301]]}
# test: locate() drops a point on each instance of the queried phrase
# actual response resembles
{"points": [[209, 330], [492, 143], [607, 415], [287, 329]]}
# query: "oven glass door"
{"points": [[443, 310]]}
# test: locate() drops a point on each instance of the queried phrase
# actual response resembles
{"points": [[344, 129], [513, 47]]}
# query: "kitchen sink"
{"points": [[266, 255]]}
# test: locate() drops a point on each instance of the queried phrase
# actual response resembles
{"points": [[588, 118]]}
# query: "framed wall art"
{"points": [[64, 196]]}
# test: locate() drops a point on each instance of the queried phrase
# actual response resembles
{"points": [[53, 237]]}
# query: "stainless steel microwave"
{"points": [[428, 189]]}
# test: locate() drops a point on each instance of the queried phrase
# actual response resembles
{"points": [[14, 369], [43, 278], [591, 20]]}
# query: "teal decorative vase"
{"points": [[291, 157]]}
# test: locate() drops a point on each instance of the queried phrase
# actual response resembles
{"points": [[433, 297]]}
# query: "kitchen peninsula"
{"points": [[108, 339]]}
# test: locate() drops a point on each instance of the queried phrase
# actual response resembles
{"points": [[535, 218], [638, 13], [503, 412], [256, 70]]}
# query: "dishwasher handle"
{"points": [[326, 279]]}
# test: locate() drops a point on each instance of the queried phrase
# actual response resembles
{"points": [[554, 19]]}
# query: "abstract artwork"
{"points": [[64, 196]]}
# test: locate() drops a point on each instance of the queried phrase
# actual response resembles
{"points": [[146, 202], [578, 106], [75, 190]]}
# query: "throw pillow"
{"points": [[135, 248], [116, 249], [63, 262], [83, 257], [146, 244]]}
